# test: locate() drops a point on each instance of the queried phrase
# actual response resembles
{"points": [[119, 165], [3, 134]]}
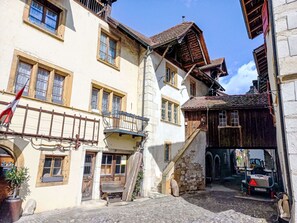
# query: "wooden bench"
{"points": [[110, 187]]}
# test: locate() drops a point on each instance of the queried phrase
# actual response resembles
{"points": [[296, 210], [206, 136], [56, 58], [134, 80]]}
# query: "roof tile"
{"points": [[227, 102]]}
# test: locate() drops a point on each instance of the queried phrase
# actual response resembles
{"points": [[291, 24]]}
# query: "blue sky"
{"points": [[222, 24]]}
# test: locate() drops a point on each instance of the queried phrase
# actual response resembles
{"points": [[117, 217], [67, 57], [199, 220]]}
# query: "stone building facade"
{"points": [[277, 20]]}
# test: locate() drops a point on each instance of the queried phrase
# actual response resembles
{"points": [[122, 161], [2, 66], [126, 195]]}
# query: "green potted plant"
{"points": [[12, 206]]}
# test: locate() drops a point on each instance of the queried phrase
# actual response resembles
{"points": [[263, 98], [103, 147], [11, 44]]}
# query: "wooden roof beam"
{"points": [[255, 9]]}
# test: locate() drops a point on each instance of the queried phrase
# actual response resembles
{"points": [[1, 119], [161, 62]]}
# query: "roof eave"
{"points": [[245, 19]]}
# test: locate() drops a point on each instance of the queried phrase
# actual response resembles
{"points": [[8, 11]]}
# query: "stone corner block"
{"points": [[283, 49], [293, 45], [292, 21], [288, 91]]}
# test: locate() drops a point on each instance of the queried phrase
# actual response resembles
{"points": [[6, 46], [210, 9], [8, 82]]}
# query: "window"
{"points": [[170, 111], [53, 169], [43, 81], [222, 118], [171, 75], [88, 164], [58, 86], [167, 152], [234, 118], [108, 49], [106, 100], [41, 84], [120, 164], [24, 71], [46, 16], [192, 88], [116, 105], [106, 166], [113, 164]]}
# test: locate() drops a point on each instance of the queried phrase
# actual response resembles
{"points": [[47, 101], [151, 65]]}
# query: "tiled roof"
{"points": [[171, 34], [227, 102], [164, 37], [136, 34]]}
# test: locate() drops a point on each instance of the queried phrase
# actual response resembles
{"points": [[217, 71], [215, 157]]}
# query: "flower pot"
{"points": [[10, 210]]}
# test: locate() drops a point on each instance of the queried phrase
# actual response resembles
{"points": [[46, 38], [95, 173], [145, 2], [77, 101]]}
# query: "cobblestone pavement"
{"points": [[188, 208]]}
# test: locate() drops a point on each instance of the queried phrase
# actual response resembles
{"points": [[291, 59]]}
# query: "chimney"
{"points": [[183, 18]]}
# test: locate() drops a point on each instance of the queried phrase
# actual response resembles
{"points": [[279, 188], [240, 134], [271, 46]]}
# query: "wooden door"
{"points": [[88, 177]]}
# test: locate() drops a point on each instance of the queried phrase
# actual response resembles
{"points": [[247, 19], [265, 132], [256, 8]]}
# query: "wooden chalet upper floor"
{"points": [[232, 121]]}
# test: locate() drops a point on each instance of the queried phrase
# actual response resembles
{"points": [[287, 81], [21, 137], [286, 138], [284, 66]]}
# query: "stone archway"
{"points": [[217, 167], [14, 151], [208, 167], [10, 155]]}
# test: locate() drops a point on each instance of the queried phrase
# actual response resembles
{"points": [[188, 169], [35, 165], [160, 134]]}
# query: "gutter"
{"points": [[282, 121]]}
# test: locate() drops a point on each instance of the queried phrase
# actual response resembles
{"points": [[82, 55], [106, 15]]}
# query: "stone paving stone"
{"points": [[164, 210]]}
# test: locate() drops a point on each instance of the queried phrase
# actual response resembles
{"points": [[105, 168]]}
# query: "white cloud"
{"points": [[240, 82], [188, 3]]}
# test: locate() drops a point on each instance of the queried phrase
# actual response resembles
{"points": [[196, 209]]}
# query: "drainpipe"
{"points": [[282, 122]]}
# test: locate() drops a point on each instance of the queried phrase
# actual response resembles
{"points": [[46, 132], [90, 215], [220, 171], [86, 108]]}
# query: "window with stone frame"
{"points": [[167, 152], [171, 75], [47, 16], [106, 100], [109, 48], [52, 169], [170, 111], [234, 118], [222, 118], [43, 81]]}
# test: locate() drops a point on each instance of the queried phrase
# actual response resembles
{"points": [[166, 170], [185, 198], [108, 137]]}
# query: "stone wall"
{"points": [[190, 168], [285, 18]]}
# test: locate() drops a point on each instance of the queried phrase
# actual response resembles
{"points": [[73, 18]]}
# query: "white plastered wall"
{"points": [[160, 132], [77, 53]]}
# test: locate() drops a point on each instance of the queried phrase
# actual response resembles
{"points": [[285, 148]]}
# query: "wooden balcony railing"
{"points": [[125, 123], [92, 5], [51, 125]]}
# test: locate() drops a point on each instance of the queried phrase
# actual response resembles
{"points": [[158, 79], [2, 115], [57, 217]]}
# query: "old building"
{"points": [[96, 92], [276, 20], [215, 126], [77, 123]]}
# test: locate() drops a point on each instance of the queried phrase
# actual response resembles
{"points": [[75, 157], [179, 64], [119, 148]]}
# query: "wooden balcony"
{"points": [[125, 123], [52, 125]]}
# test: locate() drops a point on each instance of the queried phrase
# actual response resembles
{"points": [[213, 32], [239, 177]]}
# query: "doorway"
{"points": [[208, 169], [6, 162], [88, 176]]}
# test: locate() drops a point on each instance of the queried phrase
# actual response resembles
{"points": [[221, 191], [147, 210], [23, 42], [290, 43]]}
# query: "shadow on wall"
{"points": [[158, 153], [188, 166]]}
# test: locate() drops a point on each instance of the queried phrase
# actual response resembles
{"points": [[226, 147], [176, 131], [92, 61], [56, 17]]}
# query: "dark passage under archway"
{"points": [[6, 162]]}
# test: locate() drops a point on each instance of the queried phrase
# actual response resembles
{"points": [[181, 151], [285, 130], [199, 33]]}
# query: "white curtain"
{"points": [[58, 89], [23, 75], [41, 84]]}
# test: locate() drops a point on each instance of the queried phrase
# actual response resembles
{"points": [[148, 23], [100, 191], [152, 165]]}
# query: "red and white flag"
{"points": [[6, 115]]}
